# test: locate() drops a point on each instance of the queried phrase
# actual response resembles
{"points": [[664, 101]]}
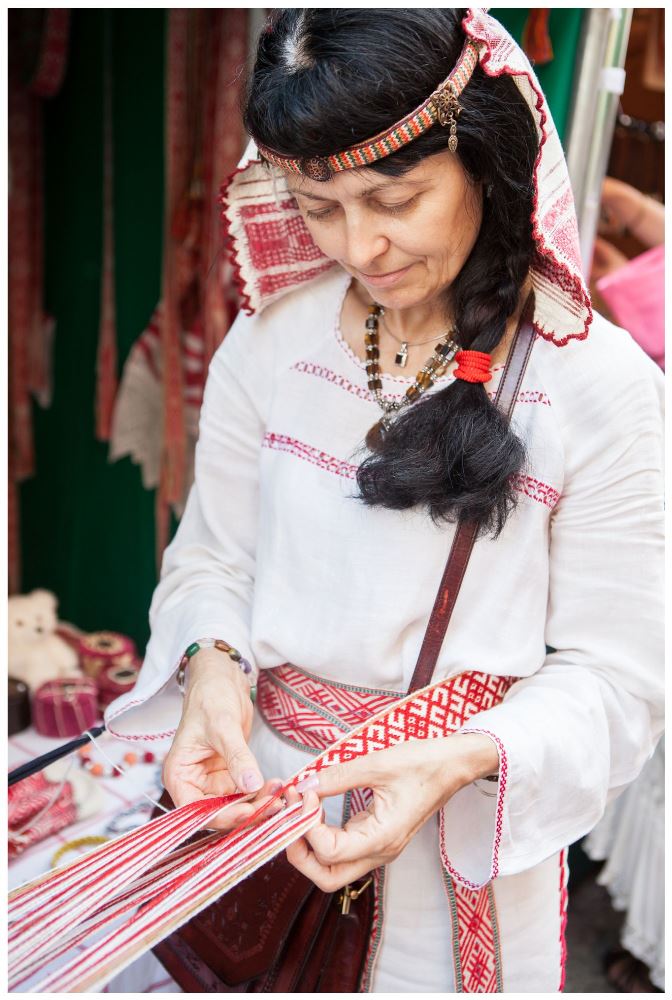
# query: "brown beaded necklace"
{"points": [[433, 368]]}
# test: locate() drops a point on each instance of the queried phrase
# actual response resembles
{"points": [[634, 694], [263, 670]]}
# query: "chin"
{"points": [[397, 298]]}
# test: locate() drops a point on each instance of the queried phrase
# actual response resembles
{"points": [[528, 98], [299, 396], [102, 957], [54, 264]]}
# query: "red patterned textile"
{"points": [[273, 252], [203, 141], [313, 714], [37, 808], [106, 361]]}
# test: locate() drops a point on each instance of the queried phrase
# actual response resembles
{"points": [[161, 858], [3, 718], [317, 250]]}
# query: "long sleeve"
{"points": [[575, 733], [207, 576]]}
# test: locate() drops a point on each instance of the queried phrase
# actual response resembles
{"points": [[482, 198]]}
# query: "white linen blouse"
{"points": [[276, 555]]}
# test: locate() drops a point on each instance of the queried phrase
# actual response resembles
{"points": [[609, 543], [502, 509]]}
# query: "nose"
{"points": [[365, 243]]}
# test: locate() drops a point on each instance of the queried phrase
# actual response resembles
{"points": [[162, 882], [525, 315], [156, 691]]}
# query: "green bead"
{"points": [[253, 693], [194, 648], [234, 654]]}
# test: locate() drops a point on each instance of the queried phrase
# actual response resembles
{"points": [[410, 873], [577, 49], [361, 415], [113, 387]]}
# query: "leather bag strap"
{"points": [[465, 536]]}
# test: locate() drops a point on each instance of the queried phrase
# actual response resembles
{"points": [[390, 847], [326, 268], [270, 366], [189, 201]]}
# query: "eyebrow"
{"points": [[362, 194]]}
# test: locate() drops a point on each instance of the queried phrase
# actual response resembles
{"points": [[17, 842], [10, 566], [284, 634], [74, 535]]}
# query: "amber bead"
{"points": [[424, 379], [412, 392], [97, 770], [375, 383], [433, 364], [370, 338], [373, 309], [372, 352], [131, 758], [444, 349], [441, 370], [372, 368]]}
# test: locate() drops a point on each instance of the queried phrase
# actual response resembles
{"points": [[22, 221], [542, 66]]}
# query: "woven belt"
{"points": [[311, 713]]}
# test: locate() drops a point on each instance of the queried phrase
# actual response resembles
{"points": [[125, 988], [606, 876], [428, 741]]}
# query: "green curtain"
{"points": [[87, 527], [555, 77]]}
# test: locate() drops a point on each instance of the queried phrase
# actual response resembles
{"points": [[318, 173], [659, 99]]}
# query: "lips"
{"points": [[384, 279], [387, 274]]}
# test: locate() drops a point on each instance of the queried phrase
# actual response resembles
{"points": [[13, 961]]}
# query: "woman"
{"points": [[315, 538]]}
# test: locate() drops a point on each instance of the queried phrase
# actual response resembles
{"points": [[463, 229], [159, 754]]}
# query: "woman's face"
{"points": [[405, 239]]}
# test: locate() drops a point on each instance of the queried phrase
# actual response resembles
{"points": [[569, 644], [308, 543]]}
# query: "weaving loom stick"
{"points": [[202, 874]]}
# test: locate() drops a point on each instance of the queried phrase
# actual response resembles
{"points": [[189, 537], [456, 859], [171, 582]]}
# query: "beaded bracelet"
{"points": [[224, 647]]}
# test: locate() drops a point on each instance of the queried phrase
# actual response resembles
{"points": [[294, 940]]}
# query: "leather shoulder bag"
{"points": [[276, 931]]}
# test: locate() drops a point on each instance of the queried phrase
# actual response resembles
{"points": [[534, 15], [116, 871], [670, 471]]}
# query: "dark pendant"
{"points": [[401, 357], [374, 437]]}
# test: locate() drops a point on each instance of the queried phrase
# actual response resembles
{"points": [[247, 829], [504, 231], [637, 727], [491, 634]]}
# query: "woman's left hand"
{"points": [[410, 782]]}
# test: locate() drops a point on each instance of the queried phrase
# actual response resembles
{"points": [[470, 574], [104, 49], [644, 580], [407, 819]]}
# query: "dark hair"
{"points": [[325, 79]]}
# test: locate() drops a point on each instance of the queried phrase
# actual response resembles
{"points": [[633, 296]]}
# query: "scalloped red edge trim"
{"points": [[541, 248], [501, 792], [231, 245]]}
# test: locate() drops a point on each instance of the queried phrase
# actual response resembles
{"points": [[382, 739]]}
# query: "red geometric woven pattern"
{"points": [[313, 713], [477, 945]]}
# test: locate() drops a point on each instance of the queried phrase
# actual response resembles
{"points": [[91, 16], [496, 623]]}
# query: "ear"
{"points": [[46, 598]]}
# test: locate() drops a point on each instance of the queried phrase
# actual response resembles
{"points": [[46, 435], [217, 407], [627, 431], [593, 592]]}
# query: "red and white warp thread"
{"points": [[50, 915]]}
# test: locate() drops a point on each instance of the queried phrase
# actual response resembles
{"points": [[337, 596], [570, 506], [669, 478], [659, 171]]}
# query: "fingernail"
{"points": [[251, 781], [275, 786], [307, 784]]}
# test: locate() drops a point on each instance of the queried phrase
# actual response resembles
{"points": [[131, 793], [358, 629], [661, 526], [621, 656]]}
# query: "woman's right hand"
{"points": [[210, 755]]}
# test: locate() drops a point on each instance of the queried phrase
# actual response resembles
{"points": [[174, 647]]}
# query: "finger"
{"points": [[329, 878], [362, 837], [363, 772], [232, 816], [238, 757]]}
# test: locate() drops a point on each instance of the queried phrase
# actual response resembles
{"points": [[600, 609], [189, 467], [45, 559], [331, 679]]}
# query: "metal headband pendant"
{"points": [[447, 109]]}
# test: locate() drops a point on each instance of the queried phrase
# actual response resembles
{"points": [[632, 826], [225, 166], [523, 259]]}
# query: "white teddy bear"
{"points": [[36, 653]]}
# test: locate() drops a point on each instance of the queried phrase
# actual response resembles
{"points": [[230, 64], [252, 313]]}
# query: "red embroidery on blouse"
{"points": [[533, 488], [536, 490], [282, 442], [321, 371]]}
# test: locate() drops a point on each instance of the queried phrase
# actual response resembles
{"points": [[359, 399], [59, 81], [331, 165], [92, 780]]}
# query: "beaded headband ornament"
{"points": [[442, 106]]}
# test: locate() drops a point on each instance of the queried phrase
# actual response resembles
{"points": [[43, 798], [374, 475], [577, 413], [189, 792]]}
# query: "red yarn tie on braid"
{"points": [[473, 366]]}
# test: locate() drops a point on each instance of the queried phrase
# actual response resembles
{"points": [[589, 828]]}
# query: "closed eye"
{"points": [[388, 209]]}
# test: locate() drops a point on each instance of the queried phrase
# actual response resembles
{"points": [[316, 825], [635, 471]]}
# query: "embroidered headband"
{"points": [[441, 106]]}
